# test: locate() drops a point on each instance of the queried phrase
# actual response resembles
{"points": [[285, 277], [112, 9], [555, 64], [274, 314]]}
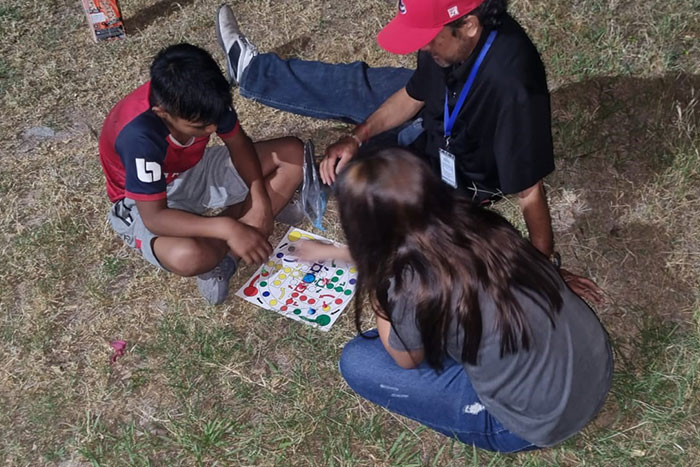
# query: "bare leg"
{"points": [[189, 256]]}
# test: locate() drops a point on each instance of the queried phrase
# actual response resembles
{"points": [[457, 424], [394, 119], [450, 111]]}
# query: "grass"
{"points": [[232, 385]]}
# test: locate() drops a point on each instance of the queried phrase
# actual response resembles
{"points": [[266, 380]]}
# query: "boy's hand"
{"points": [[249, 244], [340, 153]]}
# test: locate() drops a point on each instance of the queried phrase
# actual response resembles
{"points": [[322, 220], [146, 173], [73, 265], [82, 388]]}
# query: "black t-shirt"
{"points": [[502, 139]]}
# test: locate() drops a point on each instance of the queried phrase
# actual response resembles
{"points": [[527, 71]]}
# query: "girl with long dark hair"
{"points": [[479, 337]]}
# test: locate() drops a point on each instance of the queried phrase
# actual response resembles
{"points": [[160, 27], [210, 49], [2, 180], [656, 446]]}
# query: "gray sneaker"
{"points": [[238, 50], [292, 214], [213, 285]]}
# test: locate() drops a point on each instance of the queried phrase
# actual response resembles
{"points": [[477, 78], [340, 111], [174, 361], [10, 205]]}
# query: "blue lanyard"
{"points": [[451, 118]]}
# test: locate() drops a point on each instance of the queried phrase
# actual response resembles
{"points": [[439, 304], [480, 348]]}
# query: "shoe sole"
{"points": [[219, 37]]}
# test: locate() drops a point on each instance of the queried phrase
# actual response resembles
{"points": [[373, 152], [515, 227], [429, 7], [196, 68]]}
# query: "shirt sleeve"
{"points": [[142, 158], [523, 140], [229, 124], [417, 86], [404, 334]]}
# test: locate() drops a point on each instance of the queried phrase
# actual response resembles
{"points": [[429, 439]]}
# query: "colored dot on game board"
{"points": [[287, 270], [250, 291], [309, 278], [273, 302], [263, 284], [266, 294], [295, 294], [335, 279], [348, 292], [338, 289], [270, 263], [277, 282], [353, 270], [338, 301], [339, 272], [283, 308], [297, 311], [278, 266], [282, 276], [279, 255], [326, 308], [311, 311], [352, 281], [323, 320], [291, 249], [302, 298], [290, 301], [328, 286], [312, 301]]}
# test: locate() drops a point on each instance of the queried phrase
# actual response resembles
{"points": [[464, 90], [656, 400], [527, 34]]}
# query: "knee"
{"points": [[355, 362], [190, 258], [293, 155]]}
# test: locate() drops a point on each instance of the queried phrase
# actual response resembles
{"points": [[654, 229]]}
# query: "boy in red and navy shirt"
{"points": [[161, 176]]}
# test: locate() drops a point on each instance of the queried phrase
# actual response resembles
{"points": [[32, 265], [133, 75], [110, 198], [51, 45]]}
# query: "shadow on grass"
{"points": [[159, 11]]}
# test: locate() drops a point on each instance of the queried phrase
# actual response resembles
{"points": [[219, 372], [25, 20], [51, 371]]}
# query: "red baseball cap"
{"points": [[419, 21]]}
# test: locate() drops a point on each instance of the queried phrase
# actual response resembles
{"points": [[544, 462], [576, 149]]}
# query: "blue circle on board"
{"points": [[311, 311], [309, 278], [279, 255], [266, 294], [352, 281]]}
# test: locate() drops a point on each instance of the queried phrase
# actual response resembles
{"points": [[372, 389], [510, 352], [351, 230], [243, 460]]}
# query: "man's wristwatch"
{"points": [[555, 259]]}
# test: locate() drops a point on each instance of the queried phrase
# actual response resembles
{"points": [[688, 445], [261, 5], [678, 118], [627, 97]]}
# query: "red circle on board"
{"points": [[250, 291], [312, 301], [338, 301], [295, 294], [290, 301], [283, 308], [302, 298]]}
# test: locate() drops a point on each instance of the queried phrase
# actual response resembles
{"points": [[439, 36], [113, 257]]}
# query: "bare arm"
{"points": [[533, 203], [245, 159], [244, 241], [404, 359], [398, 109]]}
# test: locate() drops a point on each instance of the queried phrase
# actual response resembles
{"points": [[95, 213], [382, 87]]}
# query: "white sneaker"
{"points": [[238, 50]]}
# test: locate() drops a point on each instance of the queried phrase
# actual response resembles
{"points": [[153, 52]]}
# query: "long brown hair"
{"points": [[398, 217]]}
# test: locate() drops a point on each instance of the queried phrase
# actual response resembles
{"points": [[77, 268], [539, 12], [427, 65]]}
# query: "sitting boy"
{"points": [[161, 177]]}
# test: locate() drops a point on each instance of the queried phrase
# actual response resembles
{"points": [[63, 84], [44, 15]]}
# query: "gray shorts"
{"points": [[213, 183]]}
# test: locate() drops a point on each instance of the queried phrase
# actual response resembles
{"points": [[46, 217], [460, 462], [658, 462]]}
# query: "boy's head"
{"points": [[188, 89]]}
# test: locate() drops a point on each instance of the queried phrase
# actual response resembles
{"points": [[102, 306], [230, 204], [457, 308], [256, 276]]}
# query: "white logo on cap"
{"points": [[402, 7], [454, 11]]}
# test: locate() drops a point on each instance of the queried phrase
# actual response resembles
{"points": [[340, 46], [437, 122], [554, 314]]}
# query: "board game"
{"points": [[313, 293]]}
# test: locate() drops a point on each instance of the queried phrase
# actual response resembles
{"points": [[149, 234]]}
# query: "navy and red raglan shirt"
{"points": [[140, 157]]}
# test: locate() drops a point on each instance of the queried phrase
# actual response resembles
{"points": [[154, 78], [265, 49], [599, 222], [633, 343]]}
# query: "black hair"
{"points": [[399, 218], [490, 14], [187, 83]]}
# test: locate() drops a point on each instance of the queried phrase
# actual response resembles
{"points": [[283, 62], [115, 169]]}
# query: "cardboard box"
{"points": [[104, 19]]}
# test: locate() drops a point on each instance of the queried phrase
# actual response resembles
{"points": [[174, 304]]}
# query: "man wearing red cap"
{"points": [[479, 92]]}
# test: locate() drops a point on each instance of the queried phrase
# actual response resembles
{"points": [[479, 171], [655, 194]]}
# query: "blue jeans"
{"points": [[346, 91], [445, 402]]}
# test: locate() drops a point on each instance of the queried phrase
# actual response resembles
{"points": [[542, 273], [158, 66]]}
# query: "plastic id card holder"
{"points": [[447, 168]]}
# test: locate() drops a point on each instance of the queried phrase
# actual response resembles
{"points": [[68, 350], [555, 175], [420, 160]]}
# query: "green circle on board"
{"points": [[263, 284], [329, 286], [348, 292], [297, 311], [335, 279], [323, 320], [339, 272], [338, 289]]}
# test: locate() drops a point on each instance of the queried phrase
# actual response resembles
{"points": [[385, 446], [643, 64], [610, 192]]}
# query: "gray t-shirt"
{"points": [[545, 394]]}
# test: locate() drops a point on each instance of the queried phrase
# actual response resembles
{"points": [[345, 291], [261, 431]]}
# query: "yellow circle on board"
{"points": [[353, 270], [294, 235], [287, 270], [277, 282], [273, 302], [282, 276], [270, 263]]}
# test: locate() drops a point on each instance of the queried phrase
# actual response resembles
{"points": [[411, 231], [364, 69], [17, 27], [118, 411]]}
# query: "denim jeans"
{"points": [[445, 402], [345, 91]]}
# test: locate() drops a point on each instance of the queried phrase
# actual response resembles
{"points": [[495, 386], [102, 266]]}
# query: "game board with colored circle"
{"points": [[313, 293]]}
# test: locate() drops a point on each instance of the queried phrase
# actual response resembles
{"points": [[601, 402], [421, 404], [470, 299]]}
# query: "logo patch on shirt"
{"points": [[402, 7], [453, 11], [147, 172]]}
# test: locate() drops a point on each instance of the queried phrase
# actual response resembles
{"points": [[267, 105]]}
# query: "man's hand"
{"points": [[261, 219], [583, 287], [249, 244], [340, 152]]}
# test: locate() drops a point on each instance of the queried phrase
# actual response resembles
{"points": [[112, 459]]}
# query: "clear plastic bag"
{"points": [[314, 194]]}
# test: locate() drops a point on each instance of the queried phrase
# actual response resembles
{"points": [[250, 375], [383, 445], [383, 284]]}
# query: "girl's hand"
{"points": [[315, 250]]}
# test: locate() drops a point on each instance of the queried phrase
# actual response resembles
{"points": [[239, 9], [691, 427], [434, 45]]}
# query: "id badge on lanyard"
{"points": [[448, 171]]}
